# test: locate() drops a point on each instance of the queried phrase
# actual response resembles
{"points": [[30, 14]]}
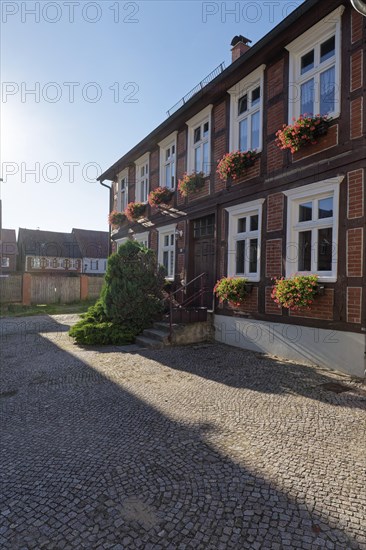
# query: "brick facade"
{"points": [[354, 252], [356, 194]]}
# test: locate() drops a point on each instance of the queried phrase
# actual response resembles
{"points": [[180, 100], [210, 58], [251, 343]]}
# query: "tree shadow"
{"points": [[96, 459]]}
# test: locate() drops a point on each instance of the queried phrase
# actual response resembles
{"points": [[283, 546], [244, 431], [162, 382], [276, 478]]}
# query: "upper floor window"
{"points": [[246, 112], [245, 221], [122, 192], [168, 155], [315, 58], [142, 238], [199, 142], [312, 229], [142, 178]]}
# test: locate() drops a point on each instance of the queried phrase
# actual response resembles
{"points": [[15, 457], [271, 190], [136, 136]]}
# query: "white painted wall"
{"points": [[89, 265], [333, 349]]}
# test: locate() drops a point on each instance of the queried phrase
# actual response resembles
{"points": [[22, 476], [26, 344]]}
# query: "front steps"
{"points": [[157, 337]]}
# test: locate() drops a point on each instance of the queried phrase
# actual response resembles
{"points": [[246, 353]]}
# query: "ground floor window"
{"points": [[166, 254]]}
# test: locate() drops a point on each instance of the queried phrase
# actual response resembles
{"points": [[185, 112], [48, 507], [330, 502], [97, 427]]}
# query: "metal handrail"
{"points": [[197, 294]]}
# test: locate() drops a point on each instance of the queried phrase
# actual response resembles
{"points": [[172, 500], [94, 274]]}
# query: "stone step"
{"points": [[163, 326], [156, 334], [148, 342]]}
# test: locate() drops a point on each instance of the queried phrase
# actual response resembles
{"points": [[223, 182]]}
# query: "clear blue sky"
{"points": [[164, 48]]}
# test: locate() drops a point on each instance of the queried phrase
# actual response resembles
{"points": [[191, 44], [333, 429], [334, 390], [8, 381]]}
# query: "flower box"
{"points": [[191, 183], [233, 290], [160, 196], [134, 210], [304, 131], [233, 165], [116, 218], [297, 292]]}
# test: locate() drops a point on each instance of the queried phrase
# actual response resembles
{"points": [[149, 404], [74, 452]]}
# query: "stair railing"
{"points": [[183, 288]]}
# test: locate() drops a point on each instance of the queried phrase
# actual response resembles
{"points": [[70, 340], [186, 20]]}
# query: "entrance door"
{"points": [[204, 256]]}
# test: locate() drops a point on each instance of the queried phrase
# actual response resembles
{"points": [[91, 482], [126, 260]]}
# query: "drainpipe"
{"points": [[109, 187], [360, 6]]}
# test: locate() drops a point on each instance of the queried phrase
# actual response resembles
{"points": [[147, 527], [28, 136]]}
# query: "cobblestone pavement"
{"points": [[203, 447]]}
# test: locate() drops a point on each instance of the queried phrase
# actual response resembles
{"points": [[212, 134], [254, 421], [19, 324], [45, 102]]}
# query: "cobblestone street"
{"points": [[201, 447]]}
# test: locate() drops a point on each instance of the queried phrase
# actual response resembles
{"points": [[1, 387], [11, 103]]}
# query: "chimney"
{"points": [[239, 46]]}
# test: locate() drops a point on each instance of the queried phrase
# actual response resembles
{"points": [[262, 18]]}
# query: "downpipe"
{"points": [[360, 6]]}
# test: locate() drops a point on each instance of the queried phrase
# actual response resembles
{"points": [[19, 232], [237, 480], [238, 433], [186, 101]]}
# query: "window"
{"points": [[143, 238], [142, 178], [312, 229], [199, 142], [245, 221], [167, 249], [66, 263], [55, 263], [168, 155], [36, 263], [315, 58], [122, 199], [246, 112], [94, 265], [5, 262]]}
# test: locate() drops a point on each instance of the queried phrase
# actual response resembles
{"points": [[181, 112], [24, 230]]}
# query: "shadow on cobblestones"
{"points": [[120, 451]]}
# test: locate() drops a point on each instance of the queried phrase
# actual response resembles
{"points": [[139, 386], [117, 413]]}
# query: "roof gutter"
{"points": [[109, 187]]}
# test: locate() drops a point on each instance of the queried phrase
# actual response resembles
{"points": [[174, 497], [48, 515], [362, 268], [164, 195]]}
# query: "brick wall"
{"points": [[322, 308], [323, 143], [354, 301], [356, 118], [354, 252], [275, 206], [154, 169], [356, 70], [270, 305], [356, 194], [251, 303], [274, 258], [356, 26]]}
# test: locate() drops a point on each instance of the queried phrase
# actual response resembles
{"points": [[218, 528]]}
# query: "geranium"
{"points": [[303, 131], [191, 183], [116, 218], [159, 195], [295, 292], [134, 210], [232, 289], [234, 164]]}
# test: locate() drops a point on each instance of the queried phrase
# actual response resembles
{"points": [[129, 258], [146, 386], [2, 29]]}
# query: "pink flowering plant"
{"points": [[134, 210], [295, 292], [231, 289], [160, 195], [116, 218], [233, 165], [304, 130], [191, 183]]}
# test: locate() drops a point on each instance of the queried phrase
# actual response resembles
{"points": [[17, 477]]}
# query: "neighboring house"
{"points": [[93, 246], [48, 252], [8, 251], [302, 212]]}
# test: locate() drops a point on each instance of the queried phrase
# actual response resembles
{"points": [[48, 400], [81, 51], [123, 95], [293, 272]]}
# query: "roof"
{"points": [[48, 243], [245, 64], [9, 241], [92, 244]]}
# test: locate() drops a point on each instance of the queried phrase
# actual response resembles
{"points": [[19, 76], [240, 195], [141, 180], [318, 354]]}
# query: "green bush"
{"points": [[131, 298]]}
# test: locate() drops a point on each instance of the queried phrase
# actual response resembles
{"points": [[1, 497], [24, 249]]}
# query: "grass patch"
{"points": [[18, 310]]}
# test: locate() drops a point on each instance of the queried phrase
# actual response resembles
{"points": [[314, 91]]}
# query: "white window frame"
{"points": [[313, 192], [122, 190], [163, 232], [235, 213], [119, 242], [246, 86], [164, 146], [199, 120], [5, 261], [142, 182], [312, 39], [142, 238]]}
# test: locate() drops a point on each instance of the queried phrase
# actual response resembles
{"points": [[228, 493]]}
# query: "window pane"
{"points": [[253, 247], [325, 249], [243, 104], [171, 266], [304, 251], [254, 223], [197, 159], [205, 129], [172, 239], [307, 97], [307, 62], [167, 175], [240, 257], [205, 158], [255, 131], [256, 94], [166, 260], [197, 135], [305, 212], [166, 240], [327, 91], [173, 149], [243, 135], [325, 208], [167, 154], [327, 49], [241, 225], [172, 175]]}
